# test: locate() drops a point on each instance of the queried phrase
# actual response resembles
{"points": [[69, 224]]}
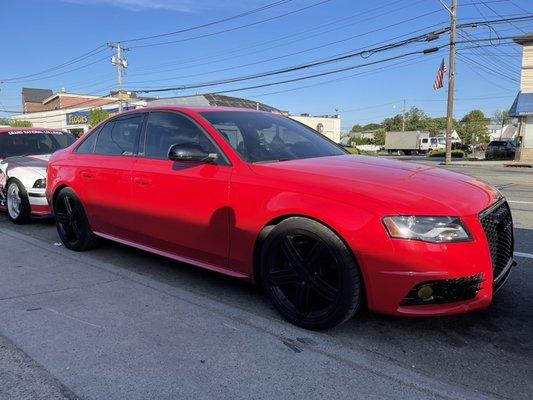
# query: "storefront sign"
{"points": [[83, 117], [78, 118]]}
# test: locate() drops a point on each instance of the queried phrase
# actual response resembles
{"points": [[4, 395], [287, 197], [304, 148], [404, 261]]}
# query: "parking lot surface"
{"points": [[117, 323]]}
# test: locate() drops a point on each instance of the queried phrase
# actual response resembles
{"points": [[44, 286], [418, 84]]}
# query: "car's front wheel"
{"points": [[72, 223], [17, 203], [310, 275]]}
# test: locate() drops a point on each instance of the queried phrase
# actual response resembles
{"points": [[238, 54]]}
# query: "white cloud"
{"points": [[173, 5]]}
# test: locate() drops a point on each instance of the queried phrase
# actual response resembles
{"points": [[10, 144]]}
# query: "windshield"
{"points": [[33, 142], [497, 144], [262, 137]]}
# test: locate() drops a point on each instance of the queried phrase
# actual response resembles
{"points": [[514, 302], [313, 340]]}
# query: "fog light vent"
{"points": [[444, 291]]}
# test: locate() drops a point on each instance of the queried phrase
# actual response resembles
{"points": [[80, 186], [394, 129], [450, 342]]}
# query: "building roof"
{"points": [[522, 105], [216, 100], [527, 38], [33, 95]]}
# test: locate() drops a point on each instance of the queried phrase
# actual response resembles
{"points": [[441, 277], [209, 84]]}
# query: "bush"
{"points": [[498, 155], [353, 150], [442, 153]]}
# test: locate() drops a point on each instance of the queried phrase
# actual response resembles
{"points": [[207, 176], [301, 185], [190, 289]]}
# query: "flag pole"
{"points": [[451, 82]]}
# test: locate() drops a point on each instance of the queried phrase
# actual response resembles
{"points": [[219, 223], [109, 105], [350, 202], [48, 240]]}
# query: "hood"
{"points": [[395, 186], [35, 163]]}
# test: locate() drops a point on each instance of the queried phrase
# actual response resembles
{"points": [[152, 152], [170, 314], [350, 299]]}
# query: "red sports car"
{"points": [[259, 196]]}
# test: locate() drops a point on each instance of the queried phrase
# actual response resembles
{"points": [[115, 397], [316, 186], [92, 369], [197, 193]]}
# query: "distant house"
{"points": [[499, 132], [455, 136]]}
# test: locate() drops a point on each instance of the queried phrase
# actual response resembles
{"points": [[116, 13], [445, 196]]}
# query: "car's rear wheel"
{"points": [[71, 222], [310, 275], [17, 202]]}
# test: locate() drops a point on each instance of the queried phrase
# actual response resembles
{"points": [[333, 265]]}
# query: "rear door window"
{"points": [[120, 137], [87, 147]]}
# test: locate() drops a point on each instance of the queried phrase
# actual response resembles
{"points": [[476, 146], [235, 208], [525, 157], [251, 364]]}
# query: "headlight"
{"points": [[427, 229], [40, 184]]}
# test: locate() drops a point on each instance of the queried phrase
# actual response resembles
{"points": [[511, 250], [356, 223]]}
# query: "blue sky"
{"points": [[44, 33]]}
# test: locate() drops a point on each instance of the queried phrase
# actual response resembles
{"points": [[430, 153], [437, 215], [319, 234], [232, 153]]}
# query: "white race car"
{"points": [[24, 155]]}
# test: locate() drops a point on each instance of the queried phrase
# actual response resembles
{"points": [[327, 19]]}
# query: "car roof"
{"points": [[6, 130], [197, 109]]}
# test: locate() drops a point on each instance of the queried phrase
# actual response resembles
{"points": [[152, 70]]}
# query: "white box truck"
{"points": [[412, 142]]}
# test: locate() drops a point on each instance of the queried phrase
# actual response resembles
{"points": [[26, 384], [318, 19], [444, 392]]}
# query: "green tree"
{"points": [[501, 117], [473, 127], [4, 121], [393, 123], [97, 115], [379, 137], [18, 123], [357, 128]]}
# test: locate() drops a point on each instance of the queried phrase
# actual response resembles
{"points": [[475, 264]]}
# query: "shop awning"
{"points": [[522, 105]]}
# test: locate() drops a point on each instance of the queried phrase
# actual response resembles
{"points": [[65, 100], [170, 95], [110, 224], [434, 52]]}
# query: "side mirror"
{"points": [[190, 153]]}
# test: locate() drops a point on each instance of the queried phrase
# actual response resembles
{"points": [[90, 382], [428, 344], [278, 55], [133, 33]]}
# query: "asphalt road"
{"points": [[117, 323]]}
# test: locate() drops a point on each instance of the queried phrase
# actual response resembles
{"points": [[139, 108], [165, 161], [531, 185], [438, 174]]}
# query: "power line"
{"points": [[316, 31], [216, 22], [84, 56], [498, 14], [329, 44], [61, 73], [234, 28], [345, 56], [472, 66], [335, 71]]}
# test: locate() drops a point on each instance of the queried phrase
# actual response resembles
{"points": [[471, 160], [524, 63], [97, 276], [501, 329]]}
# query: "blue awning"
{"points": [[522, 105]]}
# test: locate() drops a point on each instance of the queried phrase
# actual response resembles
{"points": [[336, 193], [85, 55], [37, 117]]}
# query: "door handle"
{"points": [[141, 181], [87, 174]]}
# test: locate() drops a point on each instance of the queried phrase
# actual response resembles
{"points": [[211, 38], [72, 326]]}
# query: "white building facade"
{"points": [[329, 126]]}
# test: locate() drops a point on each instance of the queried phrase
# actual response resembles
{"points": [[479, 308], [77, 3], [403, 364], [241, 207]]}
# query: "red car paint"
{"points": [[211, 215]]}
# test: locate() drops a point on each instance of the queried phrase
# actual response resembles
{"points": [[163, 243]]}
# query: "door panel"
{"points": [[182, 208], [106, 176]]}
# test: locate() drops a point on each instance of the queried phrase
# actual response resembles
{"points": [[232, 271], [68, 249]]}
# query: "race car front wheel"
{"points": [[17, 202]]}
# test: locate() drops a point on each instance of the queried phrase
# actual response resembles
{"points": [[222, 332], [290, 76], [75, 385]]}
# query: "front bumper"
{"points": [[38, 203], [392, 276]]}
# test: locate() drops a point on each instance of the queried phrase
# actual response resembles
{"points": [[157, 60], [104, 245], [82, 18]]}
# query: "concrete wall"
{"points": [[331, 126], [526, 82]]}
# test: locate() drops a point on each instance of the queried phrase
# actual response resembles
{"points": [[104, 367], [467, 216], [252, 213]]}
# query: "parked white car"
{"points": [[24, 155]]}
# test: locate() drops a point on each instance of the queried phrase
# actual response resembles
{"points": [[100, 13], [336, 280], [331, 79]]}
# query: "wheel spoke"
{"points": [[68, 207], [75, 228], [302, 298], [62, 217], [283, 277], [291, 252], [315, 256], [323, 288]]}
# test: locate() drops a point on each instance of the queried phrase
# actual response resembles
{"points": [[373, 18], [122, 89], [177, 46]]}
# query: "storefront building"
{"points": [[522, 107]]}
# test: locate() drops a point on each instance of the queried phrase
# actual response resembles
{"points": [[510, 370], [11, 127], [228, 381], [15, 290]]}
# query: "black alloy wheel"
{"points": [[71, 221], [310, 275]]}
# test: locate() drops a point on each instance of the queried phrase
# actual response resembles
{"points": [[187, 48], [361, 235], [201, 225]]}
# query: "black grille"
{"points": [[498, 226]]}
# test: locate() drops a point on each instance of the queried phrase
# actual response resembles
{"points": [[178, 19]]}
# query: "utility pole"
{"points": [[403, 117], [121, 64], [451, 81]]}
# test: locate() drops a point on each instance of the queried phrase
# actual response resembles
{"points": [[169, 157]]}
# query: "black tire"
{"points": [[318, 286], [24, 209], [72, 223]]}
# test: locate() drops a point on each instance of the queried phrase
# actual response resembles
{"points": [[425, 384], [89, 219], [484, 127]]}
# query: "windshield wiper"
{"points": [[273, 160]]}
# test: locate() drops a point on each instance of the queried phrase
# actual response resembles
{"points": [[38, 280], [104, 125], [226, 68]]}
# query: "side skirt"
{"points": [[186, 260]]}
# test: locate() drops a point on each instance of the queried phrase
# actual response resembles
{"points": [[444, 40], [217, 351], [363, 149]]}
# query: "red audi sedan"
{"points": [[262, 197]]}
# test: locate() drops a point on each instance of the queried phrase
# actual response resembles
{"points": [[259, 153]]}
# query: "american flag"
{"points": [[439, 79]]}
